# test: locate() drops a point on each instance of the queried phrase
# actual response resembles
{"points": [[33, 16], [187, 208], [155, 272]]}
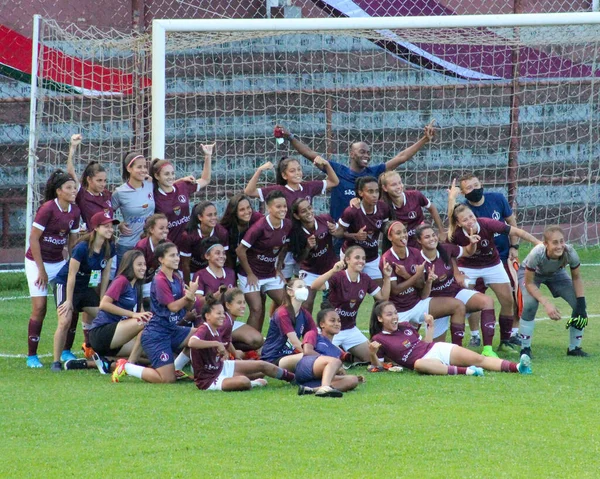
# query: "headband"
{"points": [[133, 159], [211, 247], [157, 170], [390, 227]]}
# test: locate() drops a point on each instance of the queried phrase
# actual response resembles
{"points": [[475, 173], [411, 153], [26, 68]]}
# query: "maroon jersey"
{"points": [[445, 285], [192, 246], [176, 207], [403, 346], [207, 363], [321, 258], [56, 225], [346, 296], [486, 254], [353, 219], [264, 243], [90, 204], [152, 264], [306, 190], [226, 329], [407, 299], [411, 213], [209, 282]]}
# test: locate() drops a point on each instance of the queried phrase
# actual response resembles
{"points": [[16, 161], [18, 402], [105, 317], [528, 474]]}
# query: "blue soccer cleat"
{"points": [[476, 371], [34, 362], [67, 355], [524, 365]]}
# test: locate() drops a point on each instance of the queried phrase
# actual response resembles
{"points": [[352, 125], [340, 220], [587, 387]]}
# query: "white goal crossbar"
{"points": [[160, 28]]}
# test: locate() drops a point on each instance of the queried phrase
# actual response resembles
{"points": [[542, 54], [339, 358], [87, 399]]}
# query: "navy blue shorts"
{"points": [[304, 372], [160, 347]]}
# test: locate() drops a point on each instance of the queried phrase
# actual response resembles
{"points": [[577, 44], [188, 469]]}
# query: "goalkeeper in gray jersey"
{"points": [[545, 264]]}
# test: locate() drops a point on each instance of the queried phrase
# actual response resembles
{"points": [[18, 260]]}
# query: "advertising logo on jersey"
{"points": [[71, 224], [177, 210], [406, 343], [109, 203], [352, 303]]}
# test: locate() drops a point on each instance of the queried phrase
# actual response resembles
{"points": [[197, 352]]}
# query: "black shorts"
{"points": [[101, 337], [86, 298]]}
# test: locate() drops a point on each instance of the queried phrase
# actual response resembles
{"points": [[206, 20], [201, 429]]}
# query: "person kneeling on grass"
{"points": [[320, 371], [211, 349], [400, 342], [116, 330], [170, 299]]}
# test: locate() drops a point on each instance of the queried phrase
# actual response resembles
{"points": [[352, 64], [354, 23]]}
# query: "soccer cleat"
{"points": [[305, 390], [375, 369], [514, 340], [577, 352], [76, 364], [392, 369], [67, 355], [179, 375], [102, 363], [524, 365], [475, 342], [34, 362], [119, 372], [507, 347], [258, 383], [328, 392], [88, 351], [56, 367], [354, 364], [488, 352], [527, 351], [476, 371]]}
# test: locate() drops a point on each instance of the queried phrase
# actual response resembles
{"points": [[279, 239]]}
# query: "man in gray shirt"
{"points": [[545, 264]]}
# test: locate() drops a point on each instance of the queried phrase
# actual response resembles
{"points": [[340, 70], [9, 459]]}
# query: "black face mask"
{"points": [[474, 196]]}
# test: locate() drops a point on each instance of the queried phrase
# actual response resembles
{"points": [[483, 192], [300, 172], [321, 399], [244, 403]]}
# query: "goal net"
{"points": [[518, 106]]}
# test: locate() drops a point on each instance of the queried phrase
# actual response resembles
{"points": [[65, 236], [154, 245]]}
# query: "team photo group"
{"points": [[158, 280]]}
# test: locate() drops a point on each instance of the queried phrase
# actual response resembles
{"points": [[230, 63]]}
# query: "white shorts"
{"points": [[309, 278], [290, 267], [237, 325], [264, 285], [464, 295], [440, 326], [226, 373], [492, 275], [371, 268], [441, 352], [146, 290], [32, 272], [348, 338], [416, 314]]}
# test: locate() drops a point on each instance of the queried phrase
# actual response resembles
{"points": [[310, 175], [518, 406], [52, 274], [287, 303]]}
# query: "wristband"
{"points": [[291, 137], [514, 246]]}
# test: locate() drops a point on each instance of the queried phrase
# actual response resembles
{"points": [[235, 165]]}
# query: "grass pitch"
{"points": [[78, 423]]}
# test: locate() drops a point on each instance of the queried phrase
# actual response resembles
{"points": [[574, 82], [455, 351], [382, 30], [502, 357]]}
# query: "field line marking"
{"points": [[9, 298]]}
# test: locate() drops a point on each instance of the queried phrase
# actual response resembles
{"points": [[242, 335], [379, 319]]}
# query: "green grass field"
{"points": [[78, 424]]}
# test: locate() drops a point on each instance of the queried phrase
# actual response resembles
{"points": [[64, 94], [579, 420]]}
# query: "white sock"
{"points": [[514, 332], [134, 370], [181, 361], [475, 333], [258, 383]]}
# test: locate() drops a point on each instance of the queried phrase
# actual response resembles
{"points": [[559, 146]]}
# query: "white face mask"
{"points": [[301, 294]]}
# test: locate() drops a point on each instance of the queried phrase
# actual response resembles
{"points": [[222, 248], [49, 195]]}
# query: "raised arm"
{"points": [[300, 147], [409, 152], [204, 179], [251, 189], [435, 215], [524, 235], [319, 283], [332, 178], [75, 142]]}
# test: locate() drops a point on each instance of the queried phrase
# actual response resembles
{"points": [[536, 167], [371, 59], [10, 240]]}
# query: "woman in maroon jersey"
{"points": [[361, 226], [156, 230], [347, 290], [261, 254], [440, 259], [210, 350], [311, 244], [485, 263], [288, 179], [400, 343], [411, 287], [55, 226], [238, 217], [407, 206], [244, 337], [204, 223], [92, 195]]}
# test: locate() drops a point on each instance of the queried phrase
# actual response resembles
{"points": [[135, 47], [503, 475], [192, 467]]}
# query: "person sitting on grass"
{"points": [[545, 264], [401, 343], [320, 371], [116, 329], [211, 349], [170, 299]]}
